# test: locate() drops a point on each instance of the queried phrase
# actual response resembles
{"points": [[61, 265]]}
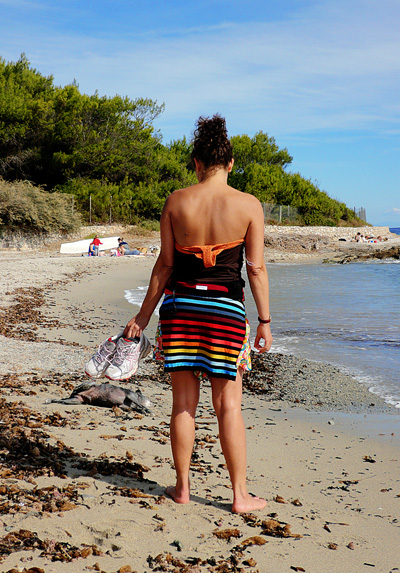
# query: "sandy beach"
{"points": [[82, 487]]}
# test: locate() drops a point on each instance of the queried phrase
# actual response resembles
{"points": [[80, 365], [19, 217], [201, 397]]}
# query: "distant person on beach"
{"points": [[122, 243], [123, 248], [126, 251], [360, 238], [205, 231], [94, 247]]}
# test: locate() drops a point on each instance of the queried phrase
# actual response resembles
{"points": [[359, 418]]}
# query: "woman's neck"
{"points": [[214, 174]]}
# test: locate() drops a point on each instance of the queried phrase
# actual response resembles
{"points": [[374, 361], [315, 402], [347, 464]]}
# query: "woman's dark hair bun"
{"points": [[211, 145]]}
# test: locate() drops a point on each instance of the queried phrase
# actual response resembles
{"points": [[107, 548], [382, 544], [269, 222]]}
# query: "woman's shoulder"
{"points": [[245, 199], [183, 191], [180, 196]]}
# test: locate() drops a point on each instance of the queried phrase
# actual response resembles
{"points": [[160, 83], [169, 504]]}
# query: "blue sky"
{"points": [[320, 76]]}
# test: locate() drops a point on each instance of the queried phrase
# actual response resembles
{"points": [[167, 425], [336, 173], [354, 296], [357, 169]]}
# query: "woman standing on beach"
{"points": [[204, 230]]}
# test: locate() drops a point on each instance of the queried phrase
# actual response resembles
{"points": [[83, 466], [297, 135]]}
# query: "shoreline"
{"points": [[307, 245], [335, 245], [89, 482]]}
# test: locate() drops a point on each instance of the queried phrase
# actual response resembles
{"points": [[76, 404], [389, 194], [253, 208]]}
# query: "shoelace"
{"points": [[102, 355], [122, 351]]}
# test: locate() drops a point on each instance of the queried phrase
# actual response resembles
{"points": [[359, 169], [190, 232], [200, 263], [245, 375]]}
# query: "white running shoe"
{"points": [[125, 361], [100, 361]]}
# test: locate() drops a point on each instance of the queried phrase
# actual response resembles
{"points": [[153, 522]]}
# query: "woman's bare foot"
{"points": [[181, 497], [249, 503]]}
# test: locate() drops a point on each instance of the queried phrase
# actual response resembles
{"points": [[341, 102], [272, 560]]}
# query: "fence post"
{"points": [[90, 208], [271, 211], [110, 207]]}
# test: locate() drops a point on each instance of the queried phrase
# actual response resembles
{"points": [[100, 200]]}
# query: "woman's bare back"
{"points": [[210, 214]]}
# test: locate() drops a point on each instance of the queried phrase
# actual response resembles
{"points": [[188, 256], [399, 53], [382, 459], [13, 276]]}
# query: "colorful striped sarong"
{"points": [[202, 333]]}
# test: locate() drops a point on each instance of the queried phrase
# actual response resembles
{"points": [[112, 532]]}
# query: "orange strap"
{"points": [[208, 253]]}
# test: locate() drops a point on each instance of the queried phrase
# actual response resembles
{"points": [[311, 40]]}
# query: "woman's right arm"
{"points": [[159, 277], [257, 272]]}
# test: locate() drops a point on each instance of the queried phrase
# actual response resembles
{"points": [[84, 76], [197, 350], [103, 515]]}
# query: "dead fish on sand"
{"points": [[106, 395]]}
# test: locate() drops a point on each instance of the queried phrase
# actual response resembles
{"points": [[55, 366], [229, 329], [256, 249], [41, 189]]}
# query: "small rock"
{"points": [[177, 544]]}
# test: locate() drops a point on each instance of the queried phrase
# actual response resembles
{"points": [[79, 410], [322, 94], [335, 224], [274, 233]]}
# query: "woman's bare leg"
{"points": [[227, 400], [185, 397]]}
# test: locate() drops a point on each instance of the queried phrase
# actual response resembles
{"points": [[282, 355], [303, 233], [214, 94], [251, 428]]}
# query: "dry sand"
{"points": [[86, 484]]}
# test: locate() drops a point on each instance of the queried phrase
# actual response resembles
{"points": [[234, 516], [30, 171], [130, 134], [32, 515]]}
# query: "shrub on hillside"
{"points": [[29, 208]]}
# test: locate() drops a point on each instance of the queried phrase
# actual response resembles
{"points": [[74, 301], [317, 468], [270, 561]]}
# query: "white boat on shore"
{"points": [[78, 247]]}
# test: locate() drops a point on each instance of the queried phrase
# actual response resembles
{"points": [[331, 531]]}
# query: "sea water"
{"points": [[346, 315]]}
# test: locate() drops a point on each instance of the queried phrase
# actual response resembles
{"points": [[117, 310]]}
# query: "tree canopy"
{"points": [[105, 150]]}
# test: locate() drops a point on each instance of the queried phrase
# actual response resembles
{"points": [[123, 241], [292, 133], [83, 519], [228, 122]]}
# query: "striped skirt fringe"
{"points": [[203, 334]]}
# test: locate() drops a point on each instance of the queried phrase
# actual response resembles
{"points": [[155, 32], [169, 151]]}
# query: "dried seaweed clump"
{"points": [[25, 540]]}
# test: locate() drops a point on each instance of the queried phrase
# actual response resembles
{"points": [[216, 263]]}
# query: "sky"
{"points": [[320, 76]]}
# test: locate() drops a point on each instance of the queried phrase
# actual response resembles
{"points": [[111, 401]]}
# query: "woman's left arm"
{"points": [[257, 273], [159, 277]]}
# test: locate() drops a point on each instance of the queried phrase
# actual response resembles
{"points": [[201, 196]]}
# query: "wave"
{"points": [[373, 339], [136, 296]]}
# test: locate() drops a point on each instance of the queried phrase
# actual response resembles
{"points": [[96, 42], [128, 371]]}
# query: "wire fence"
{"points": [[280, 213], [361, 213], [110, 217], [272, 211], [287, 213]]}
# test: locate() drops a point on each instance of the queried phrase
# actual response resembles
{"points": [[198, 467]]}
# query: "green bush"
{"points": [[101, 201], [29, 208], [148, 225]]}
